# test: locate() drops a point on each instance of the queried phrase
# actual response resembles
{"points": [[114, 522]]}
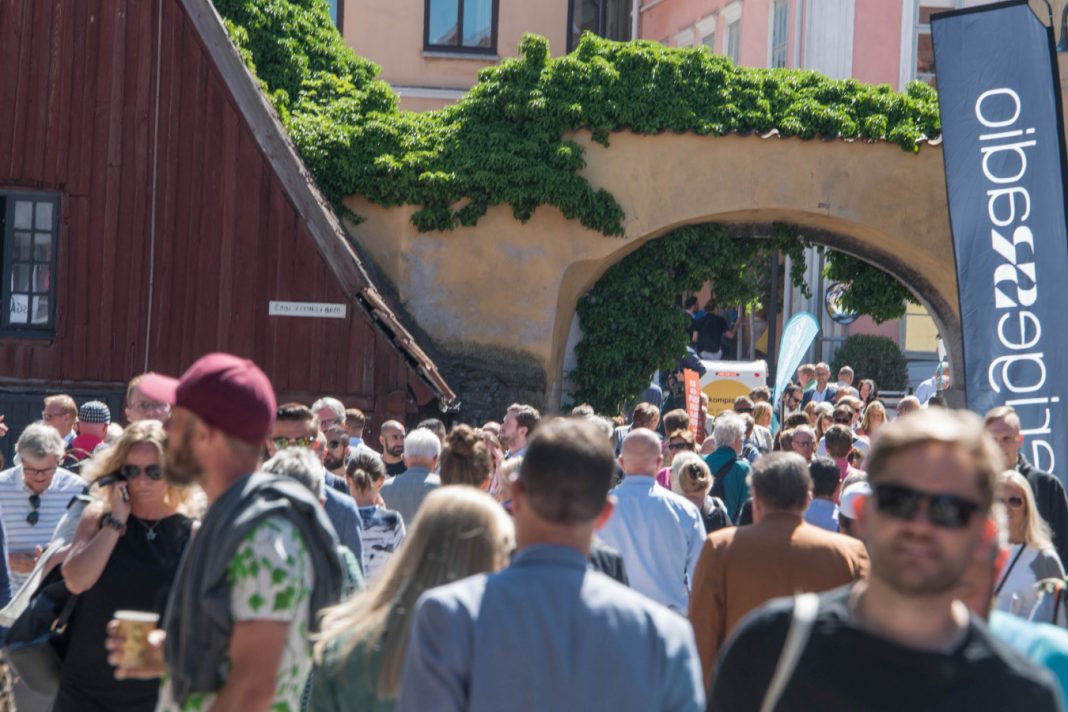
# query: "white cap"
{"points": [[847, 506]]}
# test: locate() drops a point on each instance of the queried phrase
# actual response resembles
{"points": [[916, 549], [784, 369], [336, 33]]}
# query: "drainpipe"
{"points": [[635, 9]]}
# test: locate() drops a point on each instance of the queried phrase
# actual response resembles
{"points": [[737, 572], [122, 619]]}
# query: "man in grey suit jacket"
{"points": [[406, 492], [586, 641]]}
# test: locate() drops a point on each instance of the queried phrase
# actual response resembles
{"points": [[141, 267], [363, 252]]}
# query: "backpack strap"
{"points": [[806, 606]]}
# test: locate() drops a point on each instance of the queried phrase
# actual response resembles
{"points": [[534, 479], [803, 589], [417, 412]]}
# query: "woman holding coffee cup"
{"points": [[121, 564]]}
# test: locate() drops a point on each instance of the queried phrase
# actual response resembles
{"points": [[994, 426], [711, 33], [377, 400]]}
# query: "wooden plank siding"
{"points": [[80, 96]]}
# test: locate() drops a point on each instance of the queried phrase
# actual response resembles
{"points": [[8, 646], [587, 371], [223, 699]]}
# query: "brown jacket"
{"points": [[744, 567]]}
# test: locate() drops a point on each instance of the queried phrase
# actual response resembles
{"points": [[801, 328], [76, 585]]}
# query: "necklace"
{"points": [[150, 530]]}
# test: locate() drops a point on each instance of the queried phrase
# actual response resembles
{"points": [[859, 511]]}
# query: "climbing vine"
{"points": [[508, 143]]}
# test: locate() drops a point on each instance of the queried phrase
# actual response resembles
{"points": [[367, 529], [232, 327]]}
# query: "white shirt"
{"points": [[15, 507]]}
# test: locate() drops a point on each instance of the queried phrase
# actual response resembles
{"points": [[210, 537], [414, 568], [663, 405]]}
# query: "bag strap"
{"points": [[722, 472], [806, 605]]}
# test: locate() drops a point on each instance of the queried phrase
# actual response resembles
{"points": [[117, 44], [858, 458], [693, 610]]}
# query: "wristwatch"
{"points": [[114, 523]]}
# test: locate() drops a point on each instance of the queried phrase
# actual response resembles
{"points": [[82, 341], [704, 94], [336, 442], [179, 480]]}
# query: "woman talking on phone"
{"points": [[124, 556]]}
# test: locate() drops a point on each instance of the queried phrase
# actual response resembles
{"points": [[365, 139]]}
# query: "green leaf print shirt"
{"points": [[271, 579]]}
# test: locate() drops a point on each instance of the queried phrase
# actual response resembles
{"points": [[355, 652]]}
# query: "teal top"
{"points": [[735, 489], [349, 684], [1043, 643]]}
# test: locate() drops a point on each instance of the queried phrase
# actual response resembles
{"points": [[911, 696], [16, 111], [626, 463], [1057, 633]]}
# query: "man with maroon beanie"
{"points": [[264, 562]]}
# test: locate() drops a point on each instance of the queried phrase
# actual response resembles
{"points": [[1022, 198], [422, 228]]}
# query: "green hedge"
{"points": [[874, 357]]}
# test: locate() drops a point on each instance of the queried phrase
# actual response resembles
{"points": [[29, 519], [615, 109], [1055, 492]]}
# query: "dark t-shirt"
{"points": [[395, 468], [710, 332], [845, 669]]}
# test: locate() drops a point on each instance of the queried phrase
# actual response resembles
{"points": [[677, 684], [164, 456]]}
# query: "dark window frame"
{"points": [[28, 330], [490, 51], [602, 22]]}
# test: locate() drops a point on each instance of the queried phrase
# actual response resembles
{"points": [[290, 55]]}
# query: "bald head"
{"points": [[641, 453]]}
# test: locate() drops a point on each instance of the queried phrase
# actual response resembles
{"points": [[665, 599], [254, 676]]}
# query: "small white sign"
{"points": [[308, 310]]}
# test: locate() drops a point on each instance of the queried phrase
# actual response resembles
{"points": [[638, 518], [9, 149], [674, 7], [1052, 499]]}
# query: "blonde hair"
{"points": [[690, 474], [187, 500], [762, 410], [865, 422], [460, 531], [1036, 530]]}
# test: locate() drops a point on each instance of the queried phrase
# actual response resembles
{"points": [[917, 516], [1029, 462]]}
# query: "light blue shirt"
{"points": [[406, 492], [1045, 644], [547, 634], [823, 513], [660, 536]]}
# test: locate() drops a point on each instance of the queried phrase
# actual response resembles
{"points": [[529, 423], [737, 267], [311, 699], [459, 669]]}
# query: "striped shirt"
{"points": [[15, 508]]}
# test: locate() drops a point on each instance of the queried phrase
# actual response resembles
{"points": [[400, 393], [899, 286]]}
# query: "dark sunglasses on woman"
{"points": [[943, 510], [130, 472]]}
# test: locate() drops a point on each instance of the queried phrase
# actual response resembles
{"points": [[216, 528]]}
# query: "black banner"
{"points": [[999, 98]]}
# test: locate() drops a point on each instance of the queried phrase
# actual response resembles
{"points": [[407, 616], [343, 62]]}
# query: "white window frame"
{"points": [[706, 27], [684, 38], [918, 29], [785, 44], [732, 17]]}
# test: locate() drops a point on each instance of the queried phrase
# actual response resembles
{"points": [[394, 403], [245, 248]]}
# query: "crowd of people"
{"points": [[645, 562]]}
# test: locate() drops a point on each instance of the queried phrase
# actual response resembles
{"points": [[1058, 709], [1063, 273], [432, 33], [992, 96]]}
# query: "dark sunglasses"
{"points": [[943, 510], [282, 442], [334, 444], [678, 446], [35, 516], [1014, 501], [152, 472], [843, 421]]}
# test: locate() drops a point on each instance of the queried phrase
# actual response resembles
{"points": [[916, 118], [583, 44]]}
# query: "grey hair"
{"points": [[39, 440], [728, 429], [336, 407], [300, 464], [603, 424], [422, 444]]}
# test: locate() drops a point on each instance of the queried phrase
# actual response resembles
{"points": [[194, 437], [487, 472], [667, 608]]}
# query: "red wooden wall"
{"points": [[77, 116]]}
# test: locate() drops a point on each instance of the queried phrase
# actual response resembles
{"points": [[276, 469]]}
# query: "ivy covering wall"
{"points": [[505, 142]]}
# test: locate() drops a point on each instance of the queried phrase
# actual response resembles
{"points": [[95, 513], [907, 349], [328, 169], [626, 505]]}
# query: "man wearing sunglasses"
{"points": [[33, 497], [295, 425], [933, 477]]}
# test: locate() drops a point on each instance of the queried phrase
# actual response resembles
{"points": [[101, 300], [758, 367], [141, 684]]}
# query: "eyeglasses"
{"points": [[843, 421], [45, 472], [678, 446], [130, 472], [334, 444], [281, 442], [804, 443], [943, 510], [1015, 501], [48, 417], [35, 516]]}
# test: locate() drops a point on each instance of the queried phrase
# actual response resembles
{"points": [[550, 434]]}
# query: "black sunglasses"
{"points": [[678, 446], [334, 444], [35, 516], [943, 510], [1015, 501], [152, 472]]}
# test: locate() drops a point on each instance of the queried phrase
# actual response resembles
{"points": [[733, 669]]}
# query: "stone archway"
{"points": [[500, 296]]}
